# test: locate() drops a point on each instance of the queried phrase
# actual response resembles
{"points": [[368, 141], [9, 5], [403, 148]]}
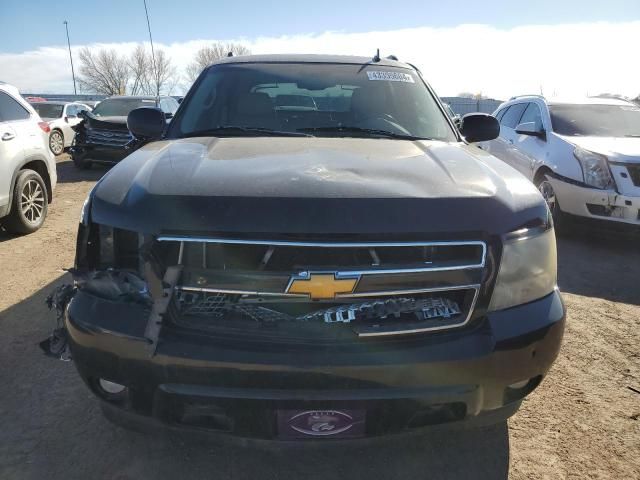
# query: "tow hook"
{"points": [[56, 345]]}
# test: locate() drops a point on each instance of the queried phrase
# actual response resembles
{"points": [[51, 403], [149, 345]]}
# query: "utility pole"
{"points": [[153, 55], [73, 74]]}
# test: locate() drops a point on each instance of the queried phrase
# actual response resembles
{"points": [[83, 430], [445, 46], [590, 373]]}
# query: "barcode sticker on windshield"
{"points": [[390, 76]]}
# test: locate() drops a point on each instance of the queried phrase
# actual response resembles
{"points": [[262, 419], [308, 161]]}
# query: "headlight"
{"points": [[528, 270], [84, 212], [595, 168]]}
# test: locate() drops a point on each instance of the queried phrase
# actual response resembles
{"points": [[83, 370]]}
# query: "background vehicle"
{"points": [[102, 135], [92, 104], [27, 166], [457, 119], [583, 155], [349, 269], [61, 117]]}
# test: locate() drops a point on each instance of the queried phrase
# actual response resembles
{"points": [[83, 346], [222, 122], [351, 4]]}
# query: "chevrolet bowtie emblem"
{"points": [[321, 286]]}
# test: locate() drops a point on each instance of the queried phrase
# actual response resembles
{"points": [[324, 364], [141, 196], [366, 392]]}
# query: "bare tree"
{"points": [[209, 54], [105, 71], [163, 74], [141, 71]]}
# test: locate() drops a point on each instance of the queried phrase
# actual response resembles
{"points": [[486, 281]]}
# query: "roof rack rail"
{"points": [[526, 95]]}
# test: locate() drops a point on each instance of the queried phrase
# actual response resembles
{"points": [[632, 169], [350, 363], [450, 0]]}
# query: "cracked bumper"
{"points": [[193, 381], [597, 204]]}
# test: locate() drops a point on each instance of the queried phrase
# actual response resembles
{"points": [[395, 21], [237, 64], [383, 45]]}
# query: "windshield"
{"points": [[48, 110], [321, 99], [120, 107], [596, 120]]}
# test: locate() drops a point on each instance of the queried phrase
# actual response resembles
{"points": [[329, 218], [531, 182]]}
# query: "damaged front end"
{"points": [[102, 141], [269, 291]]}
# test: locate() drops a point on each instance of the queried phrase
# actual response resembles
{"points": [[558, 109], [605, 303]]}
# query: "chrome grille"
{"points": [[113, 138], [402, 287]]}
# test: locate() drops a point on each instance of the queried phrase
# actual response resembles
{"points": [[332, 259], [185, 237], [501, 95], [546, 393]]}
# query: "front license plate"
{"points": [[296, 424]]}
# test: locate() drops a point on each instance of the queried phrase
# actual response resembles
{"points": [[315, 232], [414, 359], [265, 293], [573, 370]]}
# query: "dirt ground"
{"points": [[583, 421]]}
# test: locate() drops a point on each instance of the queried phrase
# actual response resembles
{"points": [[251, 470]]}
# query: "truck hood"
{"points": [[314, 186], [619, 149]]}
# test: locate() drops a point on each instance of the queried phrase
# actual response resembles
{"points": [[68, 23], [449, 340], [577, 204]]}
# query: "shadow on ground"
{"points": [[52, 428], [599, 264], [68, 173]]}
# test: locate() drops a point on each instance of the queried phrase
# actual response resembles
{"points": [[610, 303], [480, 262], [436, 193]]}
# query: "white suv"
{"points": [[584, 156], [27, 166]]}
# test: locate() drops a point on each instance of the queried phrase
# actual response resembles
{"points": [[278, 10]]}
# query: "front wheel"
{"points": [[56, 142], [549, 195], [30, 204]]}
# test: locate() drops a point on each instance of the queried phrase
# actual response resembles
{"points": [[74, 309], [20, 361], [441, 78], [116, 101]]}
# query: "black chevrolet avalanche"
{"points": [[312, 250]]}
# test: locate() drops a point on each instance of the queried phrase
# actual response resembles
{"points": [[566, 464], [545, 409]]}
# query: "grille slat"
{"points": [[116, 138]]}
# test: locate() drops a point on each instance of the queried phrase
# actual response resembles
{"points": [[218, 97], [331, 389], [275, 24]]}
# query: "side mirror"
{"points": [[530, 128], [146, 123], [479, 127]]}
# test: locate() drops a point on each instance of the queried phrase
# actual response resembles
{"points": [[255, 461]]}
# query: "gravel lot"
{"points": [[583, 422]]}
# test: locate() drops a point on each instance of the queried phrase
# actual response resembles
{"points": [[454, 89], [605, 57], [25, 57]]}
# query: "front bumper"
{"points": [[99, 154], [597, 204], [401, 384]]}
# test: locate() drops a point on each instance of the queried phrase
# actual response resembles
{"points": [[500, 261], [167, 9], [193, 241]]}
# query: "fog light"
{"points": [[111, 387]]}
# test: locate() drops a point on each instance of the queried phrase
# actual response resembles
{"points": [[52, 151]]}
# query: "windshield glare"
{"points": [[298, 97], [596, 120], [113, 107], [48, 110]]}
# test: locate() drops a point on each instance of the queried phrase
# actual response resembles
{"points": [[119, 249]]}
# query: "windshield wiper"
{"points": [[365, 131], [233, 130]]}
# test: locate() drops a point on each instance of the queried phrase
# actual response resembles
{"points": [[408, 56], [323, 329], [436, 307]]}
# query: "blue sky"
{"points": [[497, 48], [28, 24]]}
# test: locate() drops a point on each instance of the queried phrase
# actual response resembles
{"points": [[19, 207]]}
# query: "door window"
{"points": [[10, 110], [532, 114], [500, 113], [512, 116], [72, 110]]}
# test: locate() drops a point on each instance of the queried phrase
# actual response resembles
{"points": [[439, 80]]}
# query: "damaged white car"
{"points": [[584, 156]]}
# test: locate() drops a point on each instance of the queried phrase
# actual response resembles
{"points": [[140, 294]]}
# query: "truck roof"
{"points": [[303, 58]]}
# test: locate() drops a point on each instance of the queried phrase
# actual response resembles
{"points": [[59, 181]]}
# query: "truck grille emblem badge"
{"points": [[321, 286]]}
